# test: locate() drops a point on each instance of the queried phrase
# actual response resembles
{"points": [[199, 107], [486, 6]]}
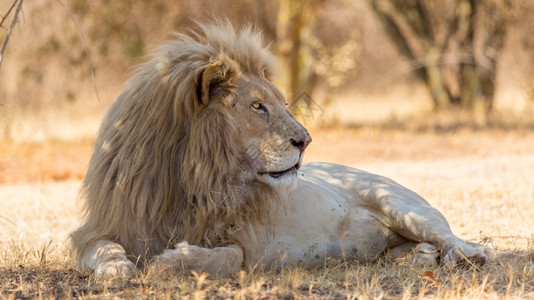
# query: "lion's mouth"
{"points": [[282, 173]]}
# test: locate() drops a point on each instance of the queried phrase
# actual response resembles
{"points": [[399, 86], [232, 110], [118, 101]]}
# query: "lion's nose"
{"points": [[301, 143]]}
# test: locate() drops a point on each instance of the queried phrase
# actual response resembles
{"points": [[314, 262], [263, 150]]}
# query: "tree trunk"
{"points": [[435, 80], [295, 17], [491, 25], [468, 84], [407, 21], [479, 28]]}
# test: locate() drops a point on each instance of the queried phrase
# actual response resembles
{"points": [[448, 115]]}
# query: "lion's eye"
{"points": [[257, 106]]}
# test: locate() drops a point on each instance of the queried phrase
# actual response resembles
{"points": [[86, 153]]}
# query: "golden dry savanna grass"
{"points": [[482, 180]]}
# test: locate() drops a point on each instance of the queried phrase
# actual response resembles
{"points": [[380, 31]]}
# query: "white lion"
{"points": [[197, 166]]}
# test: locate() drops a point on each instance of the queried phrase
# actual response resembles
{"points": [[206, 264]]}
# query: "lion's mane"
{"points": [[165, 164]]}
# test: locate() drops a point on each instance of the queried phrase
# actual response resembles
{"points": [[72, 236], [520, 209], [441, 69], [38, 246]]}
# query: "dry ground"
{"points": [[482, 180]]}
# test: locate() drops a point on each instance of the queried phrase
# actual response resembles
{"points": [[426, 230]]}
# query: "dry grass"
{"points": [[46, 271], [480, 179]]}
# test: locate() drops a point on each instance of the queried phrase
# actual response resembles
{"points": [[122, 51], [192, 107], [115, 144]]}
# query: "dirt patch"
{"points": [[60, 161], [37, 162], [353, 146]]}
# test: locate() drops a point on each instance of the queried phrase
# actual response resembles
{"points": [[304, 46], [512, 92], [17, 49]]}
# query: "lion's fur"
{"points": [[165, 163]]}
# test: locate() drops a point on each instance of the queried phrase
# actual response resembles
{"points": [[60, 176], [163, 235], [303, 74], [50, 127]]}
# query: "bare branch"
{"points": [[394, 30], [13, 22], [8, 12]]}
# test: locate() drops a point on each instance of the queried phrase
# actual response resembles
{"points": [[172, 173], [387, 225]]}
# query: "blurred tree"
{"points": [[295, 18], [458, 37], [313, 48], [316, 41]]}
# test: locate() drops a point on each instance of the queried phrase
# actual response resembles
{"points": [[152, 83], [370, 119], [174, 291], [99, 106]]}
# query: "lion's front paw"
{"points": [[220, 261], [114, 269], [465, 253]]}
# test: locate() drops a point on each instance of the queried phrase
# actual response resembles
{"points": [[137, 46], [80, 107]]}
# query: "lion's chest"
{"points": [[319, 221]]}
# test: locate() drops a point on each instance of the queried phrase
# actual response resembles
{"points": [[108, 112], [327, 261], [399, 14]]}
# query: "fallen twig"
{"points": [[462, 254]]}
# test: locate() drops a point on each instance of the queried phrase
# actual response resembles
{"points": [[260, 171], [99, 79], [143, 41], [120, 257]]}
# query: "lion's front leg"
{"points": [[107, 259], [221, 261]]}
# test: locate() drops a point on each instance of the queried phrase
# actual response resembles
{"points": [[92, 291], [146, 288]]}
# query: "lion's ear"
{"points": [[217, 79]]}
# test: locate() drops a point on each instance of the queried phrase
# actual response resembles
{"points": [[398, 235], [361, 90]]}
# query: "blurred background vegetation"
{"points": [[361, 62]]}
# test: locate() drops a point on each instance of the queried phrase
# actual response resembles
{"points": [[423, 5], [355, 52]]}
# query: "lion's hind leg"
{"points": [[410, 216], [220, 261], [107, 259]]}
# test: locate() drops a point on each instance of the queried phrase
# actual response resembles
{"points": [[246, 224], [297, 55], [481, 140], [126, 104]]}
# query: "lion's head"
{"points": [[266, 141], [197, 145]]}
